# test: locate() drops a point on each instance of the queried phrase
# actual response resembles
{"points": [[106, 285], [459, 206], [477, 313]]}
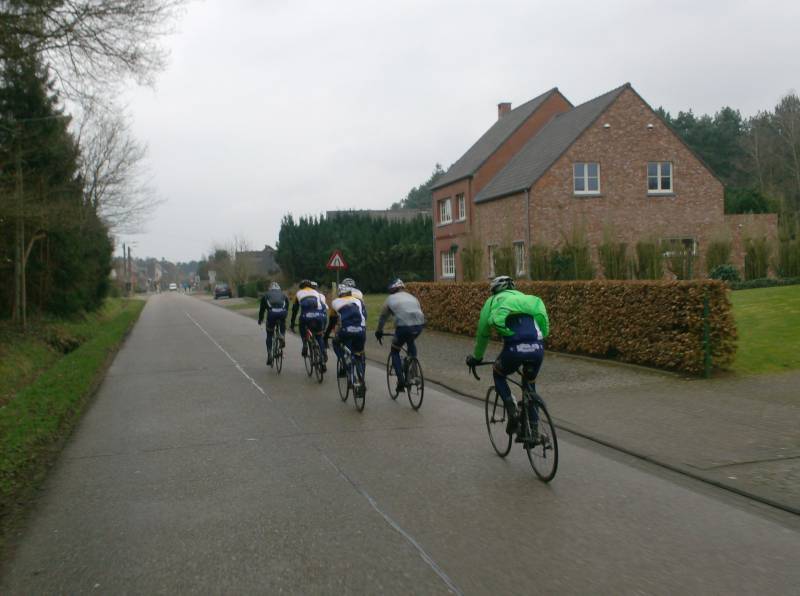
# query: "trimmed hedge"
{"points": [[764, 282], [654, 323]]}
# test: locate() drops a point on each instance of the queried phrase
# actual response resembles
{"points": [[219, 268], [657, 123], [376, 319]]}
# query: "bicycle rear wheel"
{"points": [[542, 453], [496, 422], [308, 359], [318, 362], [391, 377], [415, 383], [277, 359], [342, 379], [359, 388]]}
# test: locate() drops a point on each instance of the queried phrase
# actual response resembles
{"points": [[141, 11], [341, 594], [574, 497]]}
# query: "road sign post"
{"points": [[337, 262]]}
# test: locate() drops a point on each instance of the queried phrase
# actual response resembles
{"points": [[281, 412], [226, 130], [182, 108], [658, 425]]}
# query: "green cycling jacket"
{"points": [[499, 307]]}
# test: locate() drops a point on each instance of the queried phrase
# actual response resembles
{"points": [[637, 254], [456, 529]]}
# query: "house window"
{"points": [[676, 246], [462, 207], [492, 249], [449, 264], [445, 213], [659, 177], [519, 258], [586, 178]]}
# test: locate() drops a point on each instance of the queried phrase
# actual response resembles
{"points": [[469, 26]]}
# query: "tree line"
{"points": [[68, 180], [376, 250]]}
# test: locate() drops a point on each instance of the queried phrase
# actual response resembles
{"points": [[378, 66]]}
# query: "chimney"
{"points": [[503, 108]]}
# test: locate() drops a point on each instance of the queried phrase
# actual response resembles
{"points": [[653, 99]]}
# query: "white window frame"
{"points": [[448, 264], [519, 258], [445, 212], [490, 251], [585, 178], [461, 203], [659, 190]]}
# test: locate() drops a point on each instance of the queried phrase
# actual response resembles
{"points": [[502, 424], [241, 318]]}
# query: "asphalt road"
{"points": [[197, 469]]}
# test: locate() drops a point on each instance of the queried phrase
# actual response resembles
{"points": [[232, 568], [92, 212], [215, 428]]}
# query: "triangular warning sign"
{"points": [[336, 261]]}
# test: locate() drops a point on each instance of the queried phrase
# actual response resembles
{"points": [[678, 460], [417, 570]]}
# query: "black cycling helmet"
{"points": [[500, 283], [395, 285], [306, 283]]}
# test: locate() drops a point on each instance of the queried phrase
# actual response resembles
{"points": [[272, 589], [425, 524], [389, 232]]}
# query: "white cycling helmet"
{"points": [[500, 283], [274, 286], [396, 285], [344, 290], [314, 284], [349, 282]]}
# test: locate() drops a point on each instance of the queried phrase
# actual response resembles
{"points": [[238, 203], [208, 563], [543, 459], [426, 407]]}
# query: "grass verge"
{"points": [[768, 321], [40, 415]]}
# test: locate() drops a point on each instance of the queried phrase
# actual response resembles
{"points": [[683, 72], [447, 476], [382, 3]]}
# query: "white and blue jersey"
{"points": [[352, 314]]}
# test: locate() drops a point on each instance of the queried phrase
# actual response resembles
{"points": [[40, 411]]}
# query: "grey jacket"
{"points": [[405, 309]]}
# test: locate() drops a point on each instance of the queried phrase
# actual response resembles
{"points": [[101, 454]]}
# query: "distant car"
{"points": [[173, 287], [221, 290]]}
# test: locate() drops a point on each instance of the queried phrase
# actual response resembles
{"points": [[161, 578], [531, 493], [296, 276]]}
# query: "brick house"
{"points": [[608, 166]]}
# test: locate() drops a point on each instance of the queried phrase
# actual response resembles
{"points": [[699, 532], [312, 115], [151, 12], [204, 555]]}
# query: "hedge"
{"points": [[764, 282], [654, 323]]}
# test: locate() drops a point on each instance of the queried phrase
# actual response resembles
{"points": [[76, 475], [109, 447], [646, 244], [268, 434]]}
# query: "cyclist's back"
{"points": [[313, 310], [408, 324]]}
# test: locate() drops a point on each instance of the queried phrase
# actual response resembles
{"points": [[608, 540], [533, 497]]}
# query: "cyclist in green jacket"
{"points": [[521, 320]]}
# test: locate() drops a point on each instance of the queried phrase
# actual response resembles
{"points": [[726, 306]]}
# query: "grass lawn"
{"points": [[374, 303], [60, 364], [768, 321]]}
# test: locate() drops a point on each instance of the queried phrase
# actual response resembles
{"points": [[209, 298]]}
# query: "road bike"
{"points": [[350, 377], [535, 431], [313, 359], [412, 373], [276, 349]]}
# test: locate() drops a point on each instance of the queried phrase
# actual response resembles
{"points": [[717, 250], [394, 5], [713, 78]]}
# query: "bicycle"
{"points": [[313, 356], [412, 373], [536, 431], [276, 349], [352, 379]]}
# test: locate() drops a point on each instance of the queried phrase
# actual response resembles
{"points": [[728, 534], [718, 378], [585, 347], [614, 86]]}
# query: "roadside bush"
{"points": [[655, 323], [756, 257], [471, 260], [718, 254], [614, 259], [573, 260], [789, 258], [504, 260], [727, 273], [649, 260], [765, 282], [541, 262]]}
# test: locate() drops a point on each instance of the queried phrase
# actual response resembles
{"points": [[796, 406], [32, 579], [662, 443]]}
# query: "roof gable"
{"points": [[538, 154], [492, 139]]}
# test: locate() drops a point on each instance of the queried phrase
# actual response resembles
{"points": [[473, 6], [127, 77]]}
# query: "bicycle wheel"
{"points": [[543, 453], [391, 377], [496, 422], [359, 388], [342, 378], [415, 383], [308, 358], [318, 363], [277, 359]]}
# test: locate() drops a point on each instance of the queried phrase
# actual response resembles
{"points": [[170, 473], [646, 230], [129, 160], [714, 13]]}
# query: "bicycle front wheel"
{"points": [[415, 383], [496, 422], [342, 379], [391, 377], [543, 450]]}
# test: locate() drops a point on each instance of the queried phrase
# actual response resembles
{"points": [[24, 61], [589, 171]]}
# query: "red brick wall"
{"points": [[624, 207]]}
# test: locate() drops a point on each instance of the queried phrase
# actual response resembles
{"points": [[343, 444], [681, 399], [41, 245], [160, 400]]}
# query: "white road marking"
{"points": [[231, 358]]}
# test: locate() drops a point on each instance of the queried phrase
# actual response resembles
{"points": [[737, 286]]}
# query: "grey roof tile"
{"points": [[491, 140], [538, 154]]}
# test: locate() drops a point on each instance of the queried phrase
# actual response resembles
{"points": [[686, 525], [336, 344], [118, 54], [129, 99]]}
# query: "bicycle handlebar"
{"points": [[473, 370]]}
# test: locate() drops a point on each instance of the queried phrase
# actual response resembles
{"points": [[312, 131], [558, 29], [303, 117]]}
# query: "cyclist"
{"points": [[521, 320], [276, 305], [356, 293], [313, 308], [351, 315], [409, 321]]}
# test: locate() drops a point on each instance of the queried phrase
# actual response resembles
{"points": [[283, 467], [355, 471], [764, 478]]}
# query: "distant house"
{"points": [[608, 165], [260, 263]]}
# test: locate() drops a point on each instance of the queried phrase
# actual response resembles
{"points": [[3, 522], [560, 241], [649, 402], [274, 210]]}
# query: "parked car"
{"points": [[221, 290], [173, 287]]}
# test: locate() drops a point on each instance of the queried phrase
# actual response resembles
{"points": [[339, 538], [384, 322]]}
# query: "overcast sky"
{"points": [[276, 106]]}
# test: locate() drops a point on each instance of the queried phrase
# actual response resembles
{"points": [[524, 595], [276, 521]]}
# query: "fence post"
{"points": [[706, 336]]}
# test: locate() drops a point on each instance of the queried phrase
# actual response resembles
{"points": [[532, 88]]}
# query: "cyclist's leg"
{"points": [[413, 333], [357, 343], [505, 364], [400, 337], [303, 335], [282, 326], [533, 357]]}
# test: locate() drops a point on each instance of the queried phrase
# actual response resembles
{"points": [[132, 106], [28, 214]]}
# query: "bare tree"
{"points": [[90, 45], [112, 169]]}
